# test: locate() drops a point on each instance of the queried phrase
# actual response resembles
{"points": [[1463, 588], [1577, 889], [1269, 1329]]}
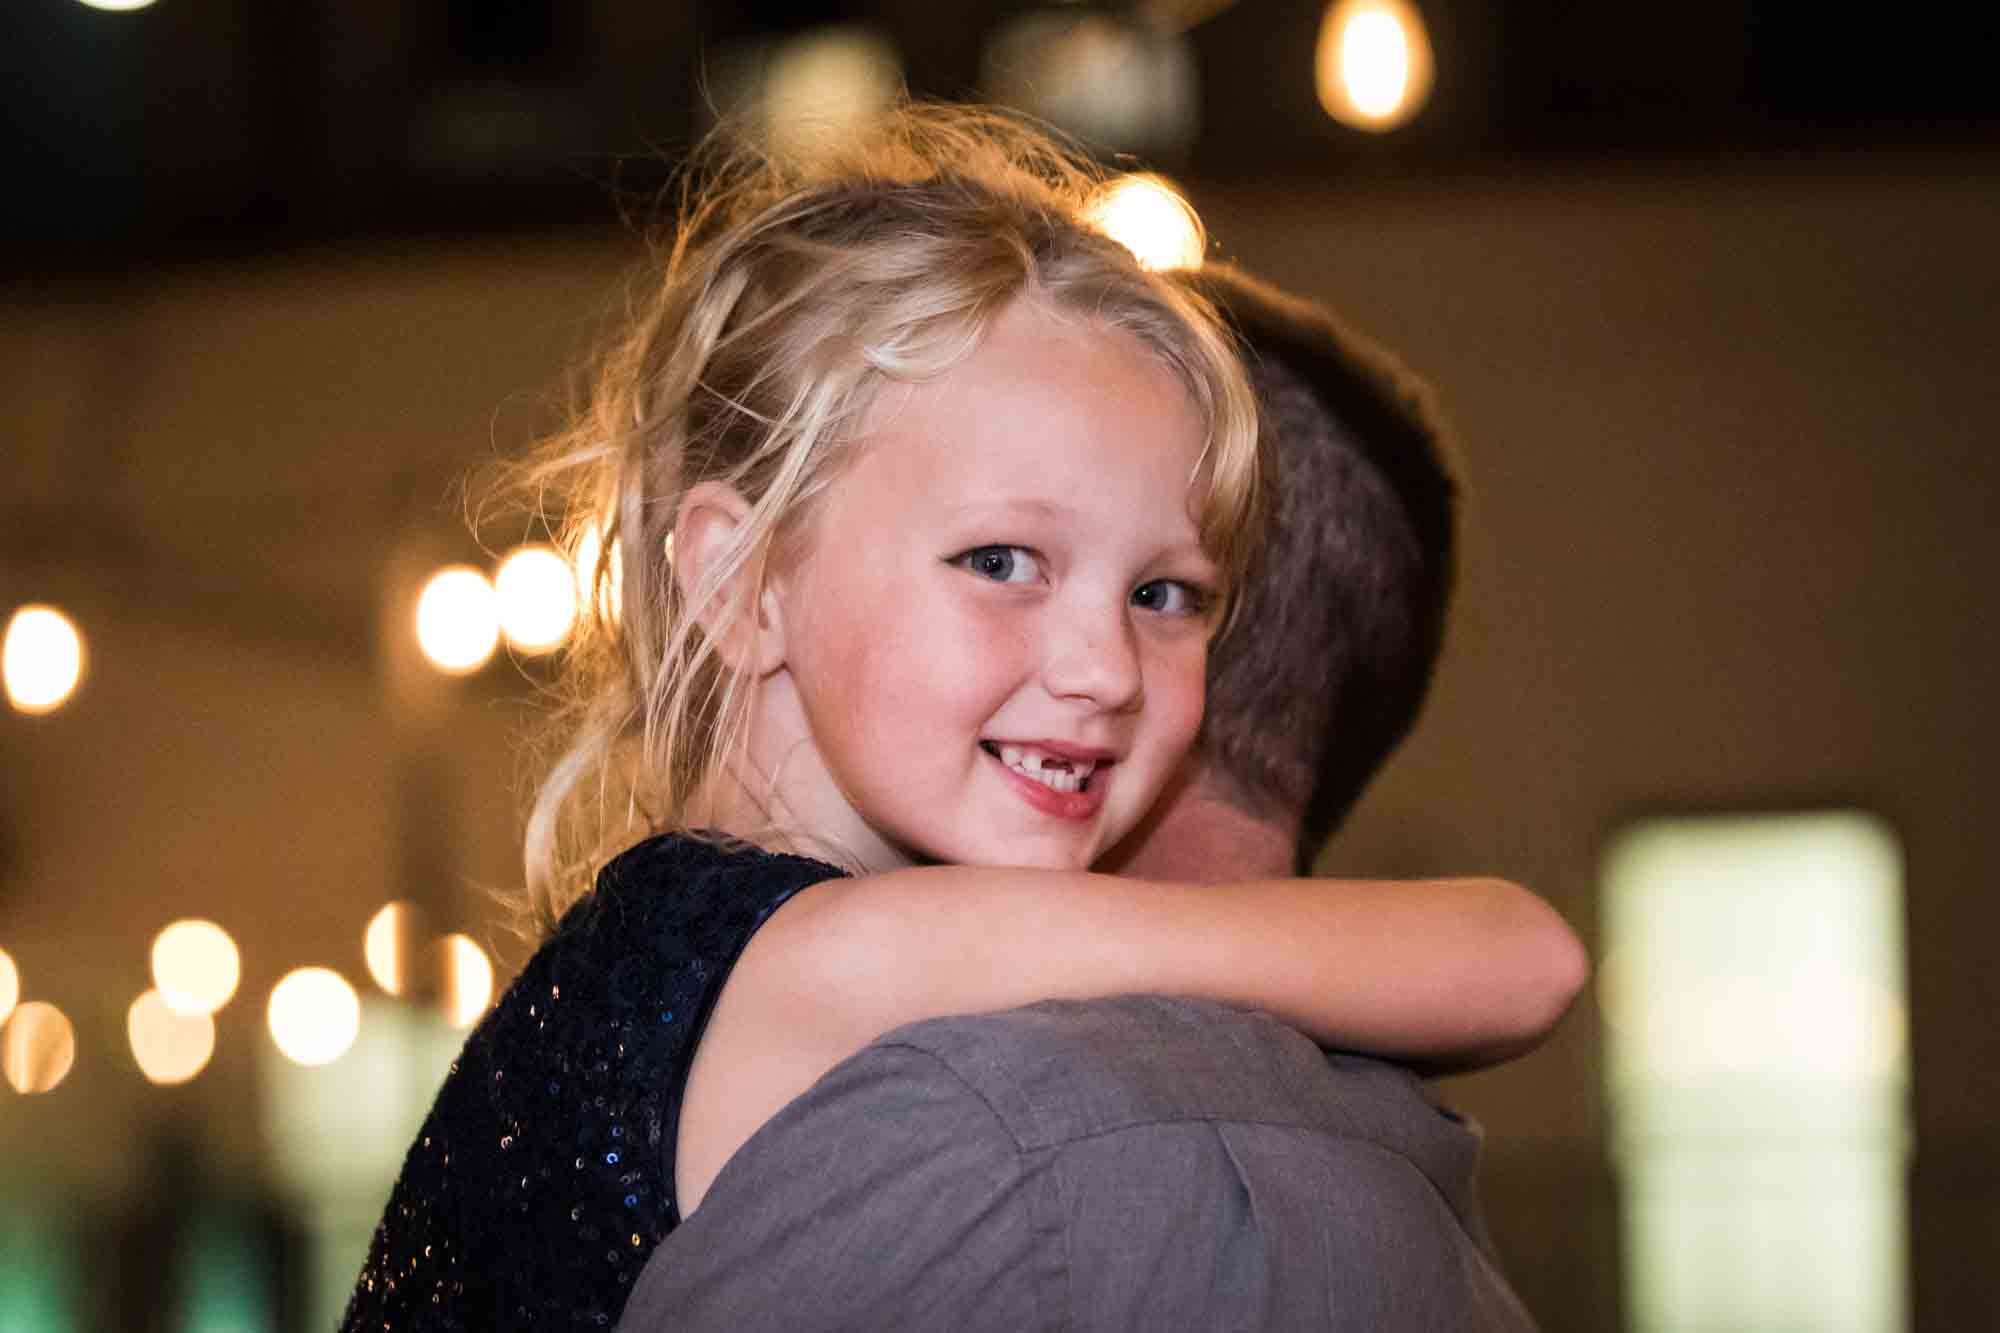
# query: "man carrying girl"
{"points": [[928, 502]]}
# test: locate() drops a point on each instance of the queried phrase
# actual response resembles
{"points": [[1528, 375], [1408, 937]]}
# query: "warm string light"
{"points": [[468, 980], [1372, 67], [37, 1042], [169, 1046], [1152, 219], [531, 602], [10, 986], [458, 620], [195, 966], [405, 960], [37, 1048], [537, 592], [606, 594], [390, 946], [314, 1015], [41, 659]]}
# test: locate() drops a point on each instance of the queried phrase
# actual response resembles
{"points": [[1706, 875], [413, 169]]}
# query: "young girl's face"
{"points": [[995, 643]]}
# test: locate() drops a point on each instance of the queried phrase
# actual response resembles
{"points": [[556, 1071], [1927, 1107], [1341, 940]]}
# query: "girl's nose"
{"points": [[1095, 658]]}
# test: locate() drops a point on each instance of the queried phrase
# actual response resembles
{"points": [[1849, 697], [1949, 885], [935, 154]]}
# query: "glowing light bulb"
{"points": [[10, 985], [468, 980], [195, 966], [1151, 219], [41, 659], [169, 1047], [116, 6], [1373, 65], [458, 621], [537, 593], [391, 944], [589, 550], [314, 1016], [37, 1048]]}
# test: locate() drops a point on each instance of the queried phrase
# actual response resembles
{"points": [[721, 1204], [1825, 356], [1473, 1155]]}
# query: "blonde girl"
{"points": [[924, 501]]}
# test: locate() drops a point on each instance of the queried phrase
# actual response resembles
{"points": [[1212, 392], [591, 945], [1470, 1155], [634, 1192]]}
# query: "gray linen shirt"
{"points": [[1138, 1163]]}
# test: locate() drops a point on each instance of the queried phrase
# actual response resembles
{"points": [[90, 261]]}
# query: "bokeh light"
{"points": [[41, 659], [1872, 1041], [314, 1015], [169, 1047], [458, 620], [10, 985], [1152, 219], [537, 592], [1757, 1068], [468, 980], [589, 550], [195, 966], [1125, 84], [116, 6], [1373, 64], [392, 943], [825, 84], [37, 1047]]}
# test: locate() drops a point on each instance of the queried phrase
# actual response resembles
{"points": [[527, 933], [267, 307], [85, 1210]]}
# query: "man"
{"points": [[1148, 1162]]}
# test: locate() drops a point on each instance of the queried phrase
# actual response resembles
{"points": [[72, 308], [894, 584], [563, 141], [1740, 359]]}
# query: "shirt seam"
{"points": [[1349, 1135], [1054, 1286]]}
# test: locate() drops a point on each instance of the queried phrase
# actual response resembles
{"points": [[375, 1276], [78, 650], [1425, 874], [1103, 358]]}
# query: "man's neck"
{"points": [[1195, 835]]}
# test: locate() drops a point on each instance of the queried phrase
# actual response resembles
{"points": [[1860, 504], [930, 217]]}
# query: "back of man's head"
{"points": [[1340, 624]]}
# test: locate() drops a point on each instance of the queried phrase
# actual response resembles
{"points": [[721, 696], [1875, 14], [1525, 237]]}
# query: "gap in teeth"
{"points": [[1052, 771]]}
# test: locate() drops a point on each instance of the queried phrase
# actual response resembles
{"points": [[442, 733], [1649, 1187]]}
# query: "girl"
{"points": [[926, 501]]}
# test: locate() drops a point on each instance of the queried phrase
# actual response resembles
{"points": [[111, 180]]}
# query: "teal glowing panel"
{"points": [[38, 1275], [224, 1286], [1756, 1063]]}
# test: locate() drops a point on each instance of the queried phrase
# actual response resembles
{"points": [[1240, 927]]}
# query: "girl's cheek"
{"points": [[1182, 690], [991, 633]]}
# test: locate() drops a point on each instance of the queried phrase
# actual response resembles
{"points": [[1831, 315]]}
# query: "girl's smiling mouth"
{"points": [[1052, 771], [1057, 781]]}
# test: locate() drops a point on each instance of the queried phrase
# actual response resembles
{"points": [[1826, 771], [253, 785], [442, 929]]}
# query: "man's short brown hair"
{"points": [[1341, 619]]}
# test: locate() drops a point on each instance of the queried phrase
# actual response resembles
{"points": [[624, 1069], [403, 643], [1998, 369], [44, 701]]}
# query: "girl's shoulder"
{"points": [[542, 1177], [655, 937], [691, 889], [685, 861]]}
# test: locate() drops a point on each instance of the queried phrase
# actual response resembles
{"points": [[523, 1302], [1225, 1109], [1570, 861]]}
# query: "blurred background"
{"points": [[1707, 291]]}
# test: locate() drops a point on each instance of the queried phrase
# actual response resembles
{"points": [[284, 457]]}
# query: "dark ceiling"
{"points": [[232, 125]]}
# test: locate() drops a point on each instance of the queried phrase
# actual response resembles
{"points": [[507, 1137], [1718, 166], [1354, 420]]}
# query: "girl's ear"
{"points": [[712, 520]]}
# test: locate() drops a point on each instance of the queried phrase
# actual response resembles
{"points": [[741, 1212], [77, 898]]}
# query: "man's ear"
{"points": [[708, 531]]}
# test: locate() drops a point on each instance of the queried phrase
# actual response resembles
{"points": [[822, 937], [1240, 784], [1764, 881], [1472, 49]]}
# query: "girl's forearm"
{"points": [[1447, 974], [1444, 974]]}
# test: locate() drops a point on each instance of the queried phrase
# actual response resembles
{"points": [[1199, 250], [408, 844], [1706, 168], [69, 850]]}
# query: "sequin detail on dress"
{"points": [[543, 1177]]}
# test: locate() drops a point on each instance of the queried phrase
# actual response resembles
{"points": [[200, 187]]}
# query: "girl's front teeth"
{"points": [[1052, 772]]}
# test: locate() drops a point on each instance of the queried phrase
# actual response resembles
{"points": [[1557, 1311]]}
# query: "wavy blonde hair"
{"points": [[789, 292]]}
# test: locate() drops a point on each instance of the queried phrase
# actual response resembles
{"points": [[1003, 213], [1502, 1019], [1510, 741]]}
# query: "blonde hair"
{"points": [[791, 291]]}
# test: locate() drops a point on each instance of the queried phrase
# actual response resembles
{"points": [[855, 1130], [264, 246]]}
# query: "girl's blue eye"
{"points": [[1002, 564], [1171, 597]]}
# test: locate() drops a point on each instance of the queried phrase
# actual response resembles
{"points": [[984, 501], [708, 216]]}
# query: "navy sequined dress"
{"points": [[544, 1175]]}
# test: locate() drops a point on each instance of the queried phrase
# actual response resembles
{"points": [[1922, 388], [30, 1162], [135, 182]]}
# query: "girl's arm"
{"points": [[1447, 974], [1465, 972]]}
